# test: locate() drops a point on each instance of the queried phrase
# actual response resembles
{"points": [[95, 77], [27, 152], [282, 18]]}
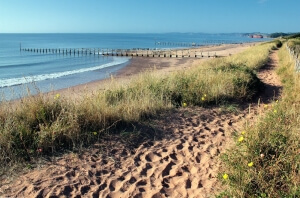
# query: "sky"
{"points": [[149, 16]]}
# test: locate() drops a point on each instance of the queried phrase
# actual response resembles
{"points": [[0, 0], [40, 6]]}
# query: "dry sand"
{"points": [[180, 159]]}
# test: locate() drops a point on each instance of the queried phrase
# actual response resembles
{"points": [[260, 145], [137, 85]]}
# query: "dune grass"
{"points": [[265, 162], [41, 125]]}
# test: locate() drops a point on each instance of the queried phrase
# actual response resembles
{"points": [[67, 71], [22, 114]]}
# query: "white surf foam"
{"points": [[29, 79]]}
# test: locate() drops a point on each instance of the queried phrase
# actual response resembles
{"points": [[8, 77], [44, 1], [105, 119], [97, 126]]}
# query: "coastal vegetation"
{"points": [[293, 36], [278, 34], [263, 163], [285, 35], [265, 160]]}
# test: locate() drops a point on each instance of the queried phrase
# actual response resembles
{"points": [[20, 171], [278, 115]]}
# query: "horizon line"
{"points": [[142, 32]]}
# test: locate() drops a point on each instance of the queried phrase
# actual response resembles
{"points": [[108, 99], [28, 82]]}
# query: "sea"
{"points": [[23, 72]]}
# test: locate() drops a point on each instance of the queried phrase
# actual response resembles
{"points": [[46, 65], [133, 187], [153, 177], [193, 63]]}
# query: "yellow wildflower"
{"points": [[250, 164], [243, 132], [265, 106], [241, 139], [204, 95], [225, 176], [275, 111], [203, 98], [57, 96], [276, 101], [184, 104], [95, 133]]}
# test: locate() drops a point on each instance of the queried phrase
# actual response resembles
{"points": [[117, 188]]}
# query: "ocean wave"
{"points": [[29, 79], [20, 65]]}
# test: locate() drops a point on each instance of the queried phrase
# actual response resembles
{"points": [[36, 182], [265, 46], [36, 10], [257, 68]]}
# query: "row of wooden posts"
{"points": [[179, 53]]}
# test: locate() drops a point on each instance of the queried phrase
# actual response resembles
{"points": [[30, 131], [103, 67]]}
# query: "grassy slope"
{"points": [[42, 125], [272, 146]]}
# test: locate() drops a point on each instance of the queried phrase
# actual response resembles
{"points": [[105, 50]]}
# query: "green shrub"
{"points": [[278, 44]]}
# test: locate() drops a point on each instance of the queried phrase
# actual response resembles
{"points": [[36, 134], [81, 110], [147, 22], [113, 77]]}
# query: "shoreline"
{"points": [[137, 65]]}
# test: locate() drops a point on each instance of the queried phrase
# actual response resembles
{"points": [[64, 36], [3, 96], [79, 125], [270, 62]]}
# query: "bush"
{"points": [[278, 43]]}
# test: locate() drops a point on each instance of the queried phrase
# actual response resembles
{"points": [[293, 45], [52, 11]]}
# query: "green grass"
{"points": [[273, 145], [42, 125]]}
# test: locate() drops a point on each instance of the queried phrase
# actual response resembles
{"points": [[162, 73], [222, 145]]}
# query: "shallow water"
{"points": [[57, 71]]}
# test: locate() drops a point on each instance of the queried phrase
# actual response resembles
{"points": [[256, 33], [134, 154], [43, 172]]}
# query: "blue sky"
{"points": [[149, 16]]}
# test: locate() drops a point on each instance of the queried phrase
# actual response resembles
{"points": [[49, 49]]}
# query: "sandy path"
{"points": [[181, 164], [179, 160], [270, 79]]}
